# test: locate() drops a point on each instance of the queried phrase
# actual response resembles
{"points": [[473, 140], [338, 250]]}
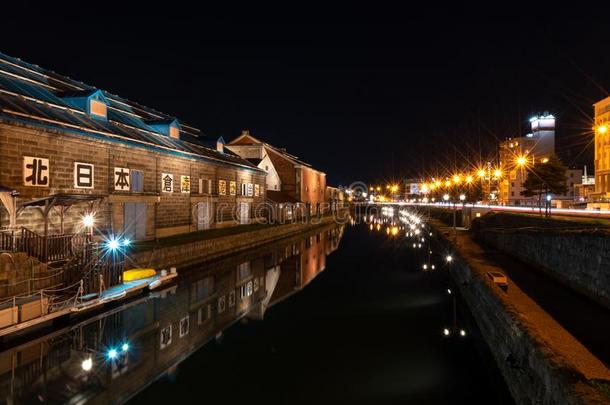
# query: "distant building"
{"points": [[291, 178], [516, 154], [586, 189], [601, 197], [411, 189]]}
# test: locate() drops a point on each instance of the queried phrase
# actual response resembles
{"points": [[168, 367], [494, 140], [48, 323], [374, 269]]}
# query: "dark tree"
{"points": [[545, 178], [549, 177]]}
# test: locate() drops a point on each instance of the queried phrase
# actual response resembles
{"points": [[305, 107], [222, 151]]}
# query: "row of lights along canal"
{"points": [[419, 236]]}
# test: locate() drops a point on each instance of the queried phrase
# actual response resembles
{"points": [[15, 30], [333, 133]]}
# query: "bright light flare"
{"points": [[113, 244], [602, 129], [87, 364], [88, 220], [112, 353]]}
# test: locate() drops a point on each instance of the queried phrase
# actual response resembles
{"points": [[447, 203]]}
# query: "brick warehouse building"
{"points": [[67, 149], [296, 182]]}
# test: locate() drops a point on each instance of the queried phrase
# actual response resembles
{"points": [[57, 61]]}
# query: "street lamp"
{"points": [[462, 197]]}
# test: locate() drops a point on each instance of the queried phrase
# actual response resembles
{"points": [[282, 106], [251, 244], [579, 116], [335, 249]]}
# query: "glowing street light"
{"points": [[87, 364], [448, 183], [462, 333], [125, 347], [497, 173], [521, 161], [449, 258], [481, 173], [456, 178], [469, 179], [113, 244], [462, 197], [446, 197], [88, 220], [446, 332], [112, 353]]}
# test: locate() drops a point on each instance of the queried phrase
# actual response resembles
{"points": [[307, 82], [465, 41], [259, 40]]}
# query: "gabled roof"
{"points": [[30, 95], [282, 152]]}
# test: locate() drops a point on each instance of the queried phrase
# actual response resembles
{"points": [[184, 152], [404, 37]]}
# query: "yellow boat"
{"points": [[138, 274]]}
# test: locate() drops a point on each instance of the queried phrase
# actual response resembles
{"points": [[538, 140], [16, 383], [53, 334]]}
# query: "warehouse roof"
{"points": [[32, 95]]}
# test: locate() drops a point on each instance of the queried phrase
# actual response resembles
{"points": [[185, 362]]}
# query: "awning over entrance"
{"points": [[7, 198], [61, 200]]}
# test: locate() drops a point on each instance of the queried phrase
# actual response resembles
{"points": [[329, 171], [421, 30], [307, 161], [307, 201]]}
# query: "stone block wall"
{"points": [[172, 212], [578, 258]]}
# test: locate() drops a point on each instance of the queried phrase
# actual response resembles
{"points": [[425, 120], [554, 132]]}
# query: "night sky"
{"points": [[362, 98]]}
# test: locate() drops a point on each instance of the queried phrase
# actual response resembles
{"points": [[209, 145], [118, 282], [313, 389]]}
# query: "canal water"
{"points": [[341, 314]]}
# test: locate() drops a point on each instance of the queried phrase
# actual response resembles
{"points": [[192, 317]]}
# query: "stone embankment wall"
{"points": [[579, 258], [209, 249], [533, 371]]}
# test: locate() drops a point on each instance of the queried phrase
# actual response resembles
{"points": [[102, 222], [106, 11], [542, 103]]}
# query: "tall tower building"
{"points": [[518, 153]]}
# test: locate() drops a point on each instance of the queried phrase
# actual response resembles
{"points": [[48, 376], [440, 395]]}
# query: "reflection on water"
{"points": [[112, 356]]}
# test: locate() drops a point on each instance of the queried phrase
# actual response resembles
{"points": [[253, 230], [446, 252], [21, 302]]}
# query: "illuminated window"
{"points": [[97, 108], [174, 132]]}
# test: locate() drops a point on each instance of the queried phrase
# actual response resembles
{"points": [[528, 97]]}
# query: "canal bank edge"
{"points": [[189, 253], [540, 361]]}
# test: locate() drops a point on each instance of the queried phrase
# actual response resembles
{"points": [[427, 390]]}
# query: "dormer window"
{"points": [[168, 127], [92, 101], [97, 108], [220, 145]]}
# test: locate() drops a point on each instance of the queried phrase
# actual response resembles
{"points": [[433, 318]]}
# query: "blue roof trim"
{"points": [[128, 142]]}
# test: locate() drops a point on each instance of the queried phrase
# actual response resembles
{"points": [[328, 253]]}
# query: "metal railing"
{"points": [[7, 241], [51, 248]]}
